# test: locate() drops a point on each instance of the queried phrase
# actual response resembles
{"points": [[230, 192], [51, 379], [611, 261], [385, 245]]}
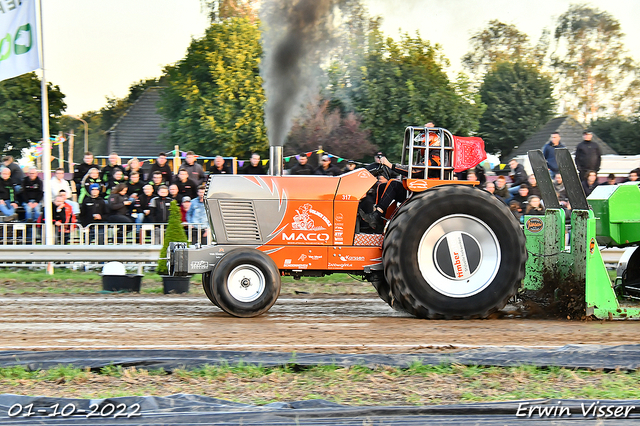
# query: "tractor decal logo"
{"points": [[363, 174], [592, 245], [199, 264], [457, 255], [534, 225], [302, 221], [418, 185], [314, 237], [347, 258], [302, 257]]}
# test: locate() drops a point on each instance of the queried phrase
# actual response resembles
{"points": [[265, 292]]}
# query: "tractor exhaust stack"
{"points": [[275, 160]]}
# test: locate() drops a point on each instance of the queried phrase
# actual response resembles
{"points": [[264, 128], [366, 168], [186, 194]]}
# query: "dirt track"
{"points": [[304, 324]]}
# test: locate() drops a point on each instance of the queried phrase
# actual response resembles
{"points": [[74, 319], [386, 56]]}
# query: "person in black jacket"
{"points": [[81, 170], [518, 177], [94, 210], [254, 167], [326, 168], [303, 167], [8, 203], [588, 155], [186, 187], [219, 167], [159, 205], [161, 166], [109, 169], [119, 204], [32, 194], [134, 184]]}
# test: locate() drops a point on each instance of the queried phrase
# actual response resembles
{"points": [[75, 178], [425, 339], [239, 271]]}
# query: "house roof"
{"points": [[570, 133], [139, 130]]}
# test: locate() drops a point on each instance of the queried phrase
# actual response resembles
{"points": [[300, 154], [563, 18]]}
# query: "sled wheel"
{"points": [[245, 283], [454, 252], [206, 286]]}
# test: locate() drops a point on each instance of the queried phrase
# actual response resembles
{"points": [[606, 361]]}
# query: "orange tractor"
{"points": [[450, 250]]}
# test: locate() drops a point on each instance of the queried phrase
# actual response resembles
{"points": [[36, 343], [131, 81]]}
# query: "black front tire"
{"points": [[245, 283], [454, 252], [206, 286]]}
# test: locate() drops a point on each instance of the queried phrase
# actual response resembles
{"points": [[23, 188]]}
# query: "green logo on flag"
{"points": [[5, 47], [23, 40]]}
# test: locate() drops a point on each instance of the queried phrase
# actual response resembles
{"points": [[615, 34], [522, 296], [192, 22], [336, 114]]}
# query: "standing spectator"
{"points": [[611, 180], [186, 186], [119, 204], [8, 203], [351, 166], [326, 168], [58, 183], [145, 198], [16, 172], [254, 167], [174, 193], [303, 167], [219, 167], [94, 210], [590, 183], [161, 166], [32, 194], [92, 176], [63, 217], [588, 155], [195, 172], [185, 205], [114, 164], [133, 165], [549, 152], [81, 170], [518, 177], [157, 181], [160, 204], [134, 185], [117, 177], [198, 215], [501, 188]]}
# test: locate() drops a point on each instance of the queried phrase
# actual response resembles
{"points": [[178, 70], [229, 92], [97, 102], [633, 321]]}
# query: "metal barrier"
{"points": [[121, 234]]}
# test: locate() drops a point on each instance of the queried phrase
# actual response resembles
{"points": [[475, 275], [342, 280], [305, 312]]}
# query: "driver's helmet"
{"points": [[434, 139]]}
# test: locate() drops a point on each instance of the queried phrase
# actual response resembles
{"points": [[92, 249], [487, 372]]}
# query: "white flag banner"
{"points": [[18, 41]]}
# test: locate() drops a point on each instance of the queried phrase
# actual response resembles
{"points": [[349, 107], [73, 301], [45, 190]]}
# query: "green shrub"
{"points": [[174, 233]]}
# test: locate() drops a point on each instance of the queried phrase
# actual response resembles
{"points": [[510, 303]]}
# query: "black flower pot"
{"points": [[129, 282], [175, 285]]}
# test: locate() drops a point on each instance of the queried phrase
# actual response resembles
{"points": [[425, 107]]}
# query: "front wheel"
{"points": [[245, 283], [454, 252]]}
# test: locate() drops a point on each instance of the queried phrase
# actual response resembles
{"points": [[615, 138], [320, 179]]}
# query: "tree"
{"points": [[21, 112], [214, 100], [519, 101], [174, 233], [218, 10], [337, 134], [620, 133], [403, 83], [500, 42], [596, 76]]}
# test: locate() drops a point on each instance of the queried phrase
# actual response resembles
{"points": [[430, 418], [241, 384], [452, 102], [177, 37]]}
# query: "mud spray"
{"points": [[297, 36]]}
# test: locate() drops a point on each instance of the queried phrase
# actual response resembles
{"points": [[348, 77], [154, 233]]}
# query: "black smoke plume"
{"points": [[296, 37]]}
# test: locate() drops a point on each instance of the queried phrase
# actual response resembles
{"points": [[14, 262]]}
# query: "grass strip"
{"points": [[417, 385]]}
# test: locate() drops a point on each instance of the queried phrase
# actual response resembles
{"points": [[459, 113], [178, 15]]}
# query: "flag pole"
{"points": [[46, 145]]}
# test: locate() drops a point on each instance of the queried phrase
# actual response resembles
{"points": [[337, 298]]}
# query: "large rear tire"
{"points": [[206, 286], [245, 283], [454, 252]]}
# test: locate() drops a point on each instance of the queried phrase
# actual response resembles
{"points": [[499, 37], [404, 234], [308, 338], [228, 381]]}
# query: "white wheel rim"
{"points": [[459, 256], [246, 283]]}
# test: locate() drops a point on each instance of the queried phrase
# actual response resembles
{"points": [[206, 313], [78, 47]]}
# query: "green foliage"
{"points": [[596, 76], [214, 102], [620, 133], [500, 42], [174, 233], [403, 83], [519, 102], [21, 112]]}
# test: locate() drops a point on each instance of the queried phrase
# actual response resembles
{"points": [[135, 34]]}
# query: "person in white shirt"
{"points": [[58, 183]]}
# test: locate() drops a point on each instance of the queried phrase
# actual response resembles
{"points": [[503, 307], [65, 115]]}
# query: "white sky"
{"points": [[95, 49]]}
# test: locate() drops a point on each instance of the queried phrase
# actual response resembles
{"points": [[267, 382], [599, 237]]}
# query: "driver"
{"points": [[387, 192]]}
